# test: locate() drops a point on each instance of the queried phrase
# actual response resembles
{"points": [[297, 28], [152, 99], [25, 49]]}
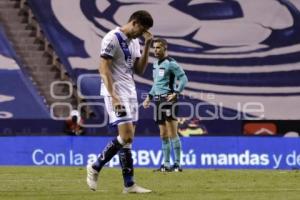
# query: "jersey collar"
{"points": [[124, 37], [162, 60]]}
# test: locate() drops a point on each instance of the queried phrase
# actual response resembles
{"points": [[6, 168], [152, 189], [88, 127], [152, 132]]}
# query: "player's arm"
{"points": [[105, 73], [108, 49], [141, 63], [149, 97]]}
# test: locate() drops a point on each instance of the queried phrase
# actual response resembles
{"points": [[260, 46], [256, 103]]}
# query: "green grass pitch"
{"points": [[69, 183]]}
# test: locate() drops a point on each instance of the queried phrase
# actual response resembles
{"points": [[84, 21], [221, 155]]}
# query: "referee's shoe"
{"points": [[163, 168], [176, 168]]}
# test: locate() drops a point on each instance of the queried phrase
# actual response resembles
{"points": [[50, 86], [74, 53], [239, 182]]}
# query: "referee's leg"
{"points": [[172, 129]]}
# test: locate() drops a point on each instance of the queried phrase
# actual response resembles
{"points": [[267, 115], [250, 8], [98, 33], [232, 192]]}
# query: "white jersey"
{"points": [[123, 52]]}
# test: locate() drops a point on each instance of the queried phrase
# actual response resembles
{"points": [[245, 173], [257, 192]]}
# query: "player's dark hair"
{"points": [[162, 41], [143, 17]]}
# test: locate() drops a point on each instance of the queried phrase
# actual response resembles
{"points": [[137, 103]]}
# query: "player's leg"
{"points": [[116, 144], [110, 150], [126, 131], [126, 162]]}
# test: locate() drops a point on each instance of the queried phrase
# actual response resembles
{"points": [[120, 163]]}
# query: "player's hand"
{"points": [[146, 103], [118, 108], [120, 111], [172, 97], [115, 102], [147, 36]]}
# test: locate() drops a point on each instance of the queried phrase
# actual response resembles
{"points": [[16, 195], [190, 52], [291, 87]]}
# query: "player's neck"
{"points": [[126, 30]]}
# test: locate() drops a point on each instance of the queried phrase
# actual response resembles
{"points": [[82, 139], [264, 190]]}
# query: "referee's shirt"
{"points": [[165, 74]]}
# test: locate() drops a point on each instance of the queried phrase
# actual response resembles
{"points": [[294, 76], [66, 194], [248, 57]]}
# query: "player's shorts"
{"points": [[130, 106], [165, 110]]}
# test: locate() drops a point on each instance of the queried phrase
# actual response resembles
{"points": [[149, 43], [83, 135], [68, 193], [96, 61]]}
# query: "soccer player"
{"points": [[120, 58], [164, 92]]}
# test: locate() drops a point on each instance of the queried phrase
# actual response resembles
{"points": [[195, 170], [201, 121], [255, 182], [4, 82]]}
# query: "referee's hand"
{"points": [[172, 97], [146, 103], [115, 101]]}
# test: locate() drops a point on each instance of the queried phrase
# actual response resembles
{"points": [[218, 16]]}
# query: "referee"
{"points": [[164, 92]]}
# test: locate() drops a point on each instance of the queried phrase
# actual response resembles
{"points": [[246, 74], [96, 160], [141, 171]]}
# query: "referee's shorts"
{"points": [[165, 110]]}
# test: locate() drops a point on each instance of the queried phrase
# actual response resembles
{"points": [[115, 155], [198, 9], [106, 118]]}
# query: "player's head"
{"points": [[141, 21], [160, 46], [143, 18]]}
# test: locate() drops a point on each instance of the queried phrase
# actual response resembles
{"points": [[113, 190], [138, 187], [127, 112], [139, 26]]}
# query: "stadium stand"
{"points": [[20, 102], [33, 50], [21, 97]]}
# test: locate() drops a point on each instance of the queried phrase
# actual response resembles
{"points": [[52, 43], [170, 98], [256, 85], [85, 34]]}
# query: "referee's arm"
{"points": [[180, 76]]}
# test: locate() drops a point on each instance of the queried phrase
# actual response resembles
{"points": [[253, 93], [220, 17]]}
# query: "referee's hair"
{"points": [[143, 17], [162, 41]]}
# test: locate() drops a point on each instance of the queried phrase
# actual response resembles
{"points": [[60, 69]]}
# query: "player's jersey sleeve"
{"points": [[180, 76], [108, 46]]}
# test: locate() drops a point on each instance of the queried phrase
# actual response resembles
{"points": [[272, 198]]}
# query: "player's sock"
{"points": [[176, 143], [109, 151], [166, 149], [126, 163]]}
